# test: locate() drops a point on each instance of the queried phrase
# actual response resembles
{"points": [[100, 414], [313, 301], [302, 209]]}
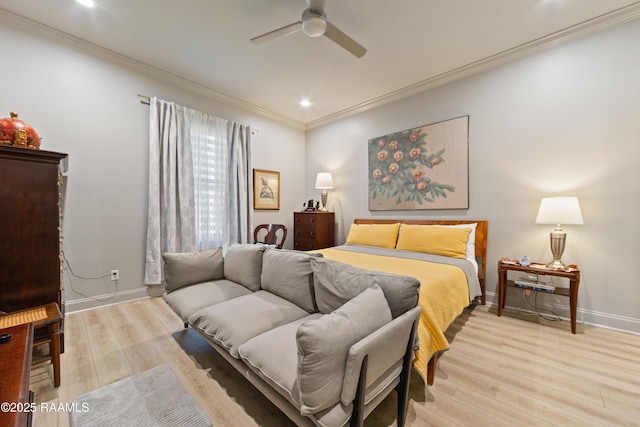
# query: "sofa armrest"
{"points": [[384, 348]]}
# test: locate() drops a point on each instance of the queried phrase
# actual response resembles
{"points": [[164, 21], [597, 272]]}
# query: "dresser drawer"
{"points": [[305, 219], [305, 244], [300, 229], [313, 230], [305, 233]]}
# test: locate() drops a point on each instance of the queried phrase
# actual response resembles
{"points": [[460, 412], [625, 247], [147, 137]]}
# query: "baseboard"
{"points": [[110, 299], [596, 318], [589, 317]]}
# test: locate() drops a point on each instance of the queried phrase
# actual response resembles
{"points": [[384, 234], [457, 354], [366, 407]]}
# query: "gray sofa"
{"points": [[324, 341]]}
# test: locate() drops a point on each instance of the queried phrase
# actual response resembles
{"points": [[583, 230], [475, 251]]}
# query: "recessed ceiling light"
{"points": [[87, 3], [305, 103]]}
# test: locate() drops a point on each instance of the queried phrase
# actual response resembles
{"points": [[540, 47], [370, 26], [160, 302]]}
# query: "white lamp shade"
{"points": [[324, 180], [559, 210]]}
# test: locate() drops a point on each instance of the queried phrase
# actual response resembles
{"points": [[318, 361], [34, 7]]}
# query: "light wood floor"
{"points": [[506, 371]]}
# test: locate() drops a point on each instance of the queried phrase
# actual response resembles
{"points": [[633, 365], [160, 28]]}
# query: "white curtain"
{"points": [[171, 215], [240, 202], [200, 183]]}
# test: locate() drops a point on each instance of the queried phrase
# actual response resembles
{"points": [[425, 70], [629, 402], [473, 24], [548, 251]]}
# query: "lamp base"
{"points": [[556, 264], [557, 240], [323, 197]]}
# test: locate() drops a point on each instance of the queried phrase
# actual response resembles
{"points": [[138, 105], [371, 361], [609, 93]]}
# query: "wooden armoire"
{"points": [[30, 228]]}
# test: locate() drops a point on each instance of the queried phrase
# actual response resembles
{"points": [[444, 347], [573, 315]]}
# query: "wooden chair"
{"points": [[271, 237]]}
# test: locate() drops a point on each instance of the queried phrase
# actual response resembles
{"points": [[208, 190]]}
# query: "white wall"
{"points": [[565, 121], [88, 108]]}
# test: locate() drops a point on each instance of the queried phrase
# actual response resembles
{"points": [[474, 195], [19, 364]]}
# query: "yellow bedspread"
{"points": [[444, 293]]}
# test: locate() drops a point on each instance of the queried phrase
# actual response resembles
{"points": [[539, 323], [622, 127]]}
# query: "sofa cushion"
{"points": [[323, 346], [288, 274], [182, 269], [337, 282], [188, 300], [234, 322], [274, 357], [243, 264]]}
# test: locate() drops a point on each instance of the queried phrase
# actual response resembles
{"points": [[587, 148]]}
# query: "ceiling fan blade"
{"points": [[343, 40], [280, 32]]}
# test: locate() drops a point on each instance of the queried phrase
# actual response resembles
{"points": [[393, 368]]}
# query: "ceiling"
{"points": [[412, 44]]}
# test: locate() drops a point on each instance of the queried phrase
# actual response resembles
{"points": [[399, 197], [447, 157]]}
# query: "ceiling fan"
{"points": [[314, 24]]}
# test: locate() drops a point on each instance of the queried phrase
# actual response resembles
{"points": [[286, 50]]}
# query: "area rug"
{"points": [[154, 398]]}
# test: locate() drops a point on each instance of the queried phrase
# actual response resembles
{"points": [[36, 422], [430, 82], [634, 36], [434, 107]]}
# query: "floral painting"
{"points": [[421, 168]]}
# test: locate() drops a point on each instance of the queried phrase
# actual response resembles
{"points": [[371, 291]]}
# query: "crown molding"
{"points": [[602, 22], [65, 39]]}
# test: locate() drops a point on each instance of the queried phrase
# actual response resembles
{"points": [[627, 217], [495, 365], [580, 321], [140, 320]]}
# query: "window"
{"points": [[210, 164]]}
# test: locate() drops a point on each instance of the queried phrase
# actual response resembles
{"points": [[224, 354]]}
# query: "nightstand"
{"points": [[313, 230], [572, 273]]}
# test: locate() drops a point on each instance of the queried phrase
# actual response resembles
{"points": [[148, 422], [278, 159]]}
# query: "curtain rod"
{"points": [[147, 101]]}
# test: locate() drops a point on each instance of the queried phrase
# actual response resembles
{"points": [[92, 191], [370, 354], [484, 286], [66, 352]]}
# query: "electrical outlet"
{"points": [[115, 274]]}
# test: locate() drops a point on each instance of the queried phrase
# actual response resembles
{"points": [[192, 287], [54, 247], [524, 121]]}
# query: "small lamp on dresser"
{"points": [[559, 210], [324, 181]]}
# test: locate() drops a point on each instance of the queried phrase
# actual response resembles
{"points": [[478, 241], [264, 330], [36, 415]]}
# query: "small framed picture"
{"points": [[266, 190]]}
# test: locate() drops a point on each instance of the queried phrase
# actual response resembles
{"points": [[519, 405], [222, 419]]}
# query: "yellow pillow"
{"points": [[431, 239], [381, 235]]}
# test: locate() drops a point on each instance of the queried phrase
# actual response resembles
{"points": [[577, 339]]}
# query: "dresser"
{"points": [[30, 224], [313, 230]]}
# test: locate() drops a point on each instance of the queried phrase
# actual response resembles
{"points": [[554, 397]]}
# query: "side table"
{"points": [[14, 376], [46, 321], [572, 273]]}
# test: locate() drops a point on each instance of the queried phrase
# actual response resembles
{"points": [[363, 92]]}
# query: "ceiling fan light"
{"points": [[314, 25], [87, 3]]}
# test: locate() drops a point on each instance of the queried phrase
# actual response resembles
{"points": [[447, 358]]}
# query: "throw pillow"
{"points": [[432, 239], [243, 265], [471, 240], [336, 283], [381, 235], [323, 346], [288, 274], [182, 269]]}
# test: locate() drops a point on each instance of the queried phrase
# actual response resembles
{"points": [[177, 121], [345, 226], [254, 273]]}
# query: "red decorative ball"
{"points": [[17, 133]]}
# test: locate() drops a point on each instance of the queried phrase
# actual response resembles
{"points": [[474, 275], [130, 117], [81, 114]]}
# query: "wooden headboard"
{"points": [[481, 238]]}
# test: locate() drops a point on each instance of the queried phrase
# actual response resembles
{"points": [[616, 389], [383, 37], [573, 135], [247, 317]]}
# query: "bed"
{"points": [[448, 260]]}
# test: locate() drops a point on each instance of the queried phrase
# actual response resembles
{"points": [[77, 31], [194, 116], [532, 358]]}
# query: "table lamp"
{"points": [[558, 210], [324, 181]]}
